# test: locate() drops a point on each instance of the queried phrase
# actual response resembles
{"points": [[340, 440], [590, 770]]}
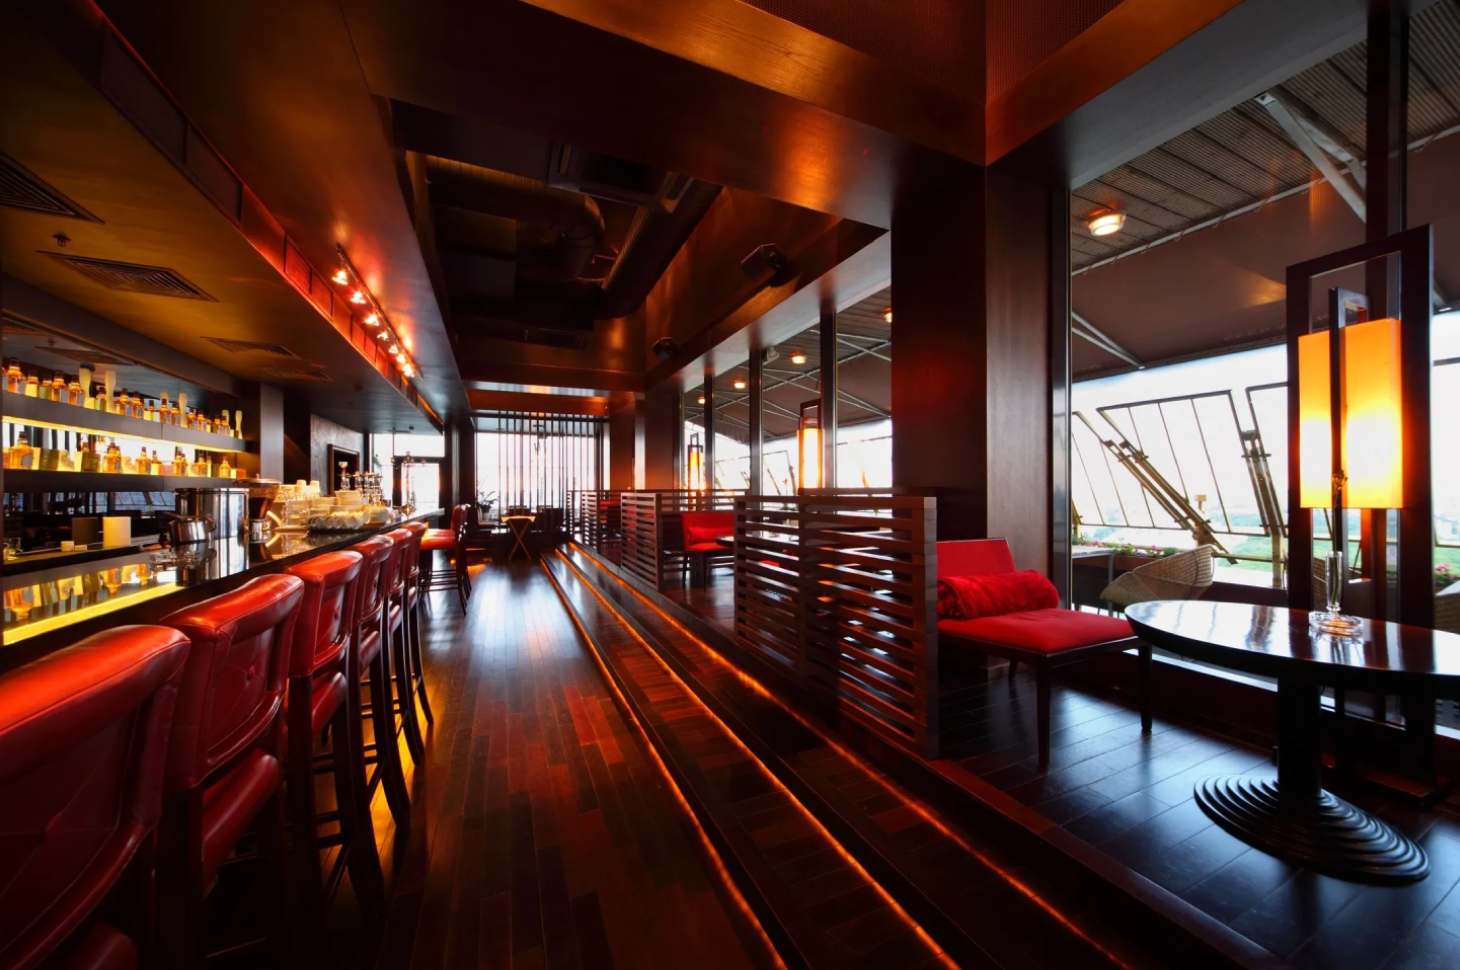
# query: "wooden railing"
{"points": [[837, 593], [653, 539], [594, 518]]}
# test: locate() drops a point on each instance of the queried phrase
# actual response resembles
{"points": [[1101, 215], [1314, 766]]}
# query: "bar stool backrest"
{"points": [[400, 563], [374, 583], [233, 684], [327, 613], [83, 745]]}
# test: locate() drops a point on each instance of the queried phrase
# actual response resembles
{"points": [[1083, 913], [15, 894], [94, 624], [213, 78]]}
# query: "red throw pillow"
{"points": [[994, 594]]}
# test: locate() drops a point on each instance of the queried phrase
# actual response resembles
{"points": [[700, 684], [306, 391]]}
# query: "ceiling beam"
{"points": [[1300, 137], [1086, 330]]}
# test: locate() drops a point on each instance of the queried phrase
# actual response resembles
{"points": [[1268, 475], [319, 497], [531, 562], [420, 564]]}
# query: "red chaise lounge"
{"points": [[1043, 638]]}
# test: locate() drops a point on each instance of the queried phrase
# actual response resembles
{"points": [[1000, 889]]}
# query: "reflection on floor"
{"points": [[541, 833], [1131, 797]]}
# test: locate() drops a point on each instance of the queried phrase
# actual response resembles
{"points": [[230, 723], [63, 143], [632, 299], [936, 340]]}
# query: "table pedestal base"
{"points": [[1326, 834]]}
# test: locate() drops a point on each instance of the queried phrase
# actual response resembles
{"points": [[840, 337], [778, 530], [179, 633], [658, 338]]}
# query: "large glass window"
{"points": [[388, 458], [535, 461], [864, 393]]}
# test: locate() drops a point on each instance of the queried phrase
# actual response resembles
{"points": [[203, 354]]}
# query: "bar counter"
{"points": [[47, 609]]}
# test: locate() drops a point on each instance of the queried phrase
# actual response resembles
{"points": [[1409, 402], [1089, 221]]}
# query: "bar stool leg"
{"points": [[356, 829], [418, 668], [401, 658], [273, 850], [387, 752]]}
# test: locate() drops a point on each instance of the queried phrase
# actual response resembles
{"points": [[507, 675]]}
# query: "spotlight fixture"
{"points": [[373, 315], [341, 277], [382, 335], [359, 297], [739, 385], [372, 319], [407, 369], [1105, 222], [393, 349], [887, 315], [798, 358]]}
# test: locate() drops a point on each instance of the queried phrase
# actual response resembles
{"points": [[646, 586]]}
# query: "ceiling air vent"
{"points": [[303, 371], [84, 355], [132, 277], [251, 346], [20, 188]]}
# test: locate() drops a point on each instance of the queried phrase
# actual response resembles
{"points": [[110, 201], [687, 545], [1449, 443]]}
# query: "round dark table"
{"points": [[1292, 816]]}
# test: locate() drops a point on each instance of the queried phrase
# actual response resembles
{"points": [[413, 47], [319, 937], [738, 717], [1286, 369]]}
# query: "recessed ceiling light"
{"points": [[1105, 222], [739, 385], [702, 399], [887, 315], [798, 358]]}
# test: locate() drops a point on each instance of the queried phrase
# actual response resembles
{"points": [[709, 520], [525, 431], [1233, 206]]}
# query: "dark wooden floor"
{"points": [[1131, 797], [542, 835]]}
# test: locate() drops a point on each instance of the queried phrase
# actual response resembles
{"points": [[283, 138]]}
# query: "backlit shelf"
{"points": [[39, 413], [29, 480]]}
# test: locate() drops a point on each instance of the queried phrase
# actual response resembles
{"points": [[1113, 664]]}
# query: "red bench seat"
{"points": [[1041, 631]]}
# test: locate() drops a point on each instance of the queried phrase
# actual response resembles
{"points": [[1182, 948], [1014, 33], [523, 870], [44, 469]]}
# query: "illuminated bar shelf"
{"points": [[31, 480], [70, 417]]}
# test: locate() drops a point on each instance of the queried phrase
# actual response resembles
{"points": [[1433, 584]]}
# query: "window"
{"points": [[537, 461]]}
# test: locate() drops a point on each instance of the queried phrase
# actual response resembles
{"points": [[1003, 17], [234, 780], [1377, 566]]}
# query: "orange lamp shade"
{"points": [[695, 465], [1373, 427], [808, 445]]}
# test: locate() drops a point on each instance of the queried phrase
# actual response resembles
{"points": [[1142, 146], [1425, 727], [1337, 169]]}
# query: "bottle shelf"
{"points": [[41, 413], [33, 480]]}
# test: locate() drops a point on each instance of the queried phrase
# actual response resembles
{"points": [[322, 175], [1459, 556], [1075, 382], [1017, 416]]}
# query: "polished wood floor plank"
{"points": [[541, 834]]}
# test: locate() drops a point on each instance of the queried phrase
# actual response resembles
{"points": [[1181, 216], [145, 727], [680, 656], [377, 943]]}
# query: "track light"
{"points": [[341, 277], [372, 319], [358, 297]]}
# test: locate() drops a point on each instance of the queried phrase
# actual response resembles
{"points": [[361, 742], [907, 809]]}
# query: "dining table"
{"points": [[1290, 814]]}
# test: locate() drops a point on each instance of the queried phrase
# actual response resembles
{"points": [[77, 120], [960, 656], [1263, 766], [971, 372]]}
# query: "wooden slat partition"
{"points": [[838, 592], [595, 518], [652, 531], [643, 531]]}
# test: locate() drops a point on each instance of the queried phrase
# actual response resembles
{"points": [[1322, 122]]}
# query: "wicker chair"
{"points": [[1184, 576]]}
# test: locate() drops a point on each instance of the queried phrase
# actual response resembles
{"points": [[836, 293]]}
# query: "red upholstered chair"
{"points": [[324, 691], [453, 542], [1044, 638], [383, 755], [223, 771], [398, 638], [701, 531], [83, 746]]}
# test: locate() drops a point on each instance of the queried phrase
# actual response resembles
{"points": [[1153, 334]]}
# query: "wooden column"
{"points": [[1385, 195], [709, 413], [1061, 520], [971, 385], [621, 444], [662, 430], [828, 395], [755, 377]]}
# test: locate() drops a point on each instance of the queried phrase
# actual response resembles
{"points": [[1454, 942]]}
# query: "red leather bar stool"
{"points": [[324, 692], [83, 746], [413, 614], [398, 637], [223, 773], [453, 542], [382, 754]]}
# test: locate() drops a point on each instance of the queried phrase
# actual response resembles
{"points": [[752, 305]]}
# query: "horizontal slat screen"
{"points": [[837, 592]]}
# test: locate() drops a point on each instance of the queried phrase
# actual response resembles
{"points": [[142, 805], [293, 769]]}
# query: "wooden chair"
{"points": [[1044, 639]]}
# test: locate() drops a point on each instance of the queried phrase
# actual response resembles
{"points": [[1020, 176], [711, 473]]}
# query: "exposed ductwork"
{"points": [[656, 239], [572, 215]]}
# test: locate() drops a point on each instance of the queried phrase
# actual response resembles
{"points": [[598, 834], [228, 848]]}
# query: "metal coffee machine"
{"points": [[201, 514], [260, 499]]}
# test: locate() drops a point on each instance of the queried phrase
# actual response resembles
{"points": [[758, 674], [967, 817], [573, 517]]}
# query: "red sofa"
{"points": [[1044, 639]]}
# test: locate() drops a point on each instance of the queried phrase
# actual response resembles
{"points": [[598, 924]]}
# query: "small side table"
{"points": [[519, 526]]}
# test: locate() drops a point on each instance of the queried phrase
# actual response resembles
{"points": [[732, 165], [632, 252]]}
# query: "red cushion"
{"points": [[705, 527], [993, 594], [438, 539], [967, 557], [1040, 631], [231, 804], [705, 547], [102, 947]]}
